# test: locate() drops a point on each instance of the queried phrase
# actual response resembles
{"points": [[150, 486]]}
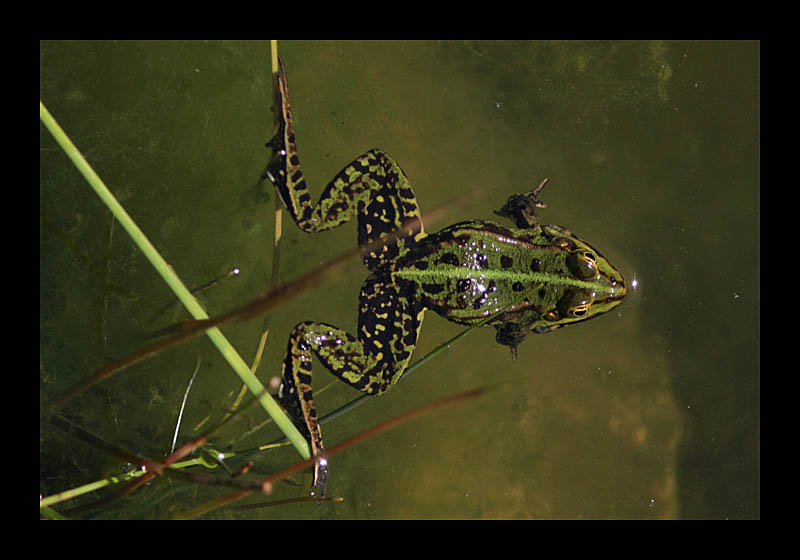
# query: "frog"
{"points": [[520, 279]]}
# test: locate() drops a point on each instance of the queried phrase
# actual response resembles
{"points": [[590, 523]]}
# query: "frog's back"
{"points": [[473, 270], [470, 270]]}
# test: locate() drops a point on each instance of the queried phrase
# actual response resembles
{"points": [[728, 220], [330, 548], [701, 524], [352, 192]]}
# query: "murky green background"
{"points": [[653, 154]]}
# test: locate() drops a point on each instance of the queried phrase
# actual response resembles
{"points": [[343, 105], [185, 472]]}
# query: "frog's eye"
{"points": [[575, 304], [582, 263]]}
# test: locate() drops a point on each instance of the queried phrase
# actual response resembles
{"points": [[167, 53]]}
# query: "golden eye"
{"points": [[582, 264], [575, 304], [579, 310]]}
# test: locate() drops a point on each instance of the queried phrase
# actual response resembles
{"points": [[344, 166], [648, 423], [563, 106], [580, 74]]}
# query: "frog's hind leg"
{"points": [[388, 326], [372, 187]]}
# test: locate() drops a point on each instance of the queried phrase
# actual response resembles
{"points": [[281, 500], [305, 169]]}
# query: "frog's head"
{"points": [[575, 283]]}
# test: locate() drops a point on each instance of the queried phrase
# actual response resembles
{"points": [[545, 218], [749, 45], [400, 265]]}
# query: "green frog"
{"points": [[529, 278]]}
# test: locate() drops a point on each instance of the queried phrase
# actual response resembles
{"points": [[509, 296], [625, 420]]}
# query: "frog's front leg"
{"points": [[521, 208], [371, 362]]}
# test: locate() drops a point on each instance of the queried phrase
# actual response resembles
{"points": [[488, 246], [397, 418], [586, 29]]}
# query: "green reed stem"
{"points": [[176, 285]]}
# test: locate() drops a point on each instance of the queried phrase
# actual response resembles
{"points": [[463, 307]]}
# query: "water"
{"points": [[652, 151]]}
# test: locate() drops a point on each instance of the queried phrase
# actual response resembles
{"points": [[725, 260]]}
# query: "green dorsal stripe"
{"points": [[444, 273]]}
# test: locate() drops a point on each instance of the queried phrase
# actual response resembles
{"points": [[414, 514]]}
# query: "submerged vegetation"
{"points": [[230, 468]]}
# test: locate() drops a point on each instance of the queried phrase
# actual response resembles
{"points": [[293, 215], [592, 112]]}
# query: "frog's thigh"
{"points": [[388, 325]]}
